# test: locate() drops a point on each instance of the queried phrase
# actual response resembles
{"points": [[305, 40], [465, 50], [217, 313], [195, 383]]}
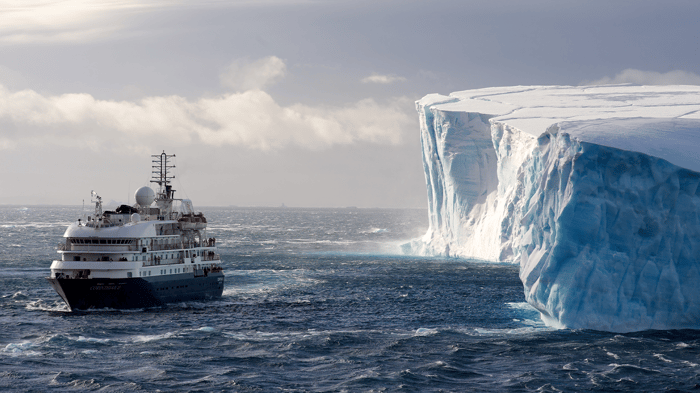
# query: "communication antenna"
{"points": [[160, 174]]}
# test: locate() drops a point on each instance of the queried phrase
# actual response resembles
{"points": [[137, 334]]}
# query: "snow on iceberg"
{"points": [[592, 190]]}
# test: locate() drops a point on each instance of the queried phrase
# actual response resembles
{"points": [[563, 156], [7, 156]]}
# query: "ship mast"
{"points": [[160, 175]]}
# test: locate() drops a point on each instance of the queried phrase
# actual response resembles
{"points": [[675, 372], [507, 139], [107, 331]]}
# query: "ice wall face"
{"points": [[610, 238], [604, 227], [460, 170]]}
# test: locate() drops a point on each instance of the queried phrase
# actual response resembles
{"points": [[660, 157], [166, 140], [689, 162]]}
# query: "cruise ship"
{"points": [[146, 255]]}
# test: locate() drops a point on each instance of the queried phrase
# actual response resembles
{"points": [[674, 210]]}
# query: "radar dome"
{"points": [[145, 196]]}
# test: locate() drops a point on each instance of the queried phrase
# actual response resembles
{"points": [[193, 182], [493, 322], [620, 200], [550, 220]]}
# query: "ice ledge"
{"points": [[594, 191]]}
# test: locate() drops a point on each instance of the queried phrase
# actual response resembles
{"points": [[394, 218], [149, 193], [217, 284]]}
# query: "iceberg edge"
{"points": [[603, 225]]}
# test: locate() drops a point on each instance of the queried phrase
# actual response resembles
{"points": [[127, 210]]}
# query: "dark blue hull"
{"points": [[83, 294]]}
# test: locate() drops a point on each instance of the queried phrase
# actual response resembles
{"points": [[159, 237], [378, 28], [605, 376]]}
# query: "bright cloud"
{"points": [[242, 75], [639, 77], [383, 79], [23, 21], [249, 119]]}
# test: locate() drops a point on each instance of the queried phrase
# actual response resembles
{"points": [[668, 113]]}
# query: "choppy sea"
{"points": [[315, 300]]}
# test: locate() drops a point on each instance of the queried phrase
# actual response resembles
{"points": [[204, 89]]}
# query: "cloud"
{"points": [[242, 75], [53, 21], [250, 119], [639, 77], [383, 79], [24, 21]]}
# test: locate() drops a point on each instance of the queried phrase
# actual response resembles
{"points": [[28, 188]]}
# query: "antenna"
{"points": [[160, 173]]}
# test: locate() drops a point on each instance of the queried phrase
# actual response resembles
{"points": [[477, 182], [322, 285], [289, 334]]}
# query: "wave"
{"points": [[425, 332], [375, 230], [266, 280], [24, 348], [43, 305], [35, 225], [146, 338]]}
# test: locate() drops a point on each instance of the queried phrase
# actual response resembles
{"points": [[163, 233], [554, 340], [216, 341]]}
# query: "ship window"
{"points": [[149, 272], [128, 274]]}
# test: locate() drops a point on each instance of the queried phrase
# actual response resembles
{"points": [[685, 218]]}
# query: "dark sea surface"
{"points": [[315, 300]]}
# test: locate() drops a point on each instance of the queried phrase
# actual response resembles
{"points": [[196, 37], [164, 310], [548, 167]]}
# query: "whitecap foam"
{"points": [[152, 337], [375, 230], [266, 280], [507, 331], [612, 355], [524, 306], [258, 336], [628, 368], [92, 340], [24, 348], [662, 358], [42, 305], [425, 332]]}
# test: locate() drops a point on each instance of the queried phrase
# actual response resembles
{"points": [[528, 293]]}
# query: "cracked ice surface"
{"points": [[592, 190]]}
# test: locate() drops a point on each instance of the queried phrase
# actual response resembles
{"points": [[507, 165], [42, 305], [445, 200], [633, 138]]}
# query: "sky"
{"points": [[301, 103]]}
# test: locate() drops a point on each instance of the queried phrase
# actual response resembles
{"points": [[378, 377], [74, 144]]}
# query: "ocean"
{"points": [[315, 300]]}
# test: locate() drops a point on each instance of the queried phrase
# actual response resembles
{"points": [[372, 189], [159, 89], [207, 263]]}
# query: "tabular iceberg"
{"points": [[592, 190]]}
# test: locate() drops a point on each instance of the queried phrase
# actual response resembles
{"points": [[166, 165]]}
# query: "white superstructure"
{"points": [[159, 239]]}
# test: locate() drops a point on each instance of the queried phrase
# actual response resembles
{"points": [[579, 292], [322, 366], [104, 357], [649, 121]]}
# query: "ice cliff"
{"points": [[592, 190]]}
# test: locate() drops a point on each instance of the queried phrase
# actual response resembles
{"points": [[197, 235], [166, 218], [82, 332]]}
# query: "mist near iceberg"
{"points": [[592, 190]]}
